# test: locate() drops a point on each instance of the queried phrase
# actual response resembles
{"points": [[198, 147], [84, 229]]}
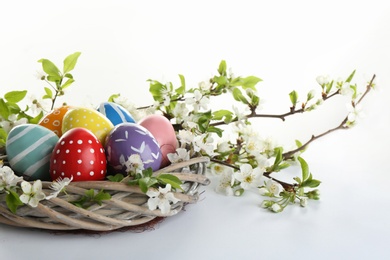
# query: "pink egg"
{"points": [[163, 132]]}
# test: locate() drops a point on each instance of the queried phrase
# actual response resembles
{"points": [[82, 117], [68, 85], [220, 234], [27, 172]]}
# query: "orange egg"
{"points": [[53, 120]]}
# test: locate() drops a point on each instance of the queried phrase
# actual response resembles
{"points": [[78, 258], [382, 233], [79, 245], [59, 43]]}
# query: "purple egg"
{"points": [[126, 139]]}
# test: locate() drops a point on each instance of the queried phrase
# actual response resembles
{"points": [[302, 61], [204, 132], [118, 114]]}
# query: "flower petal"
{"points": [[153, 203], [164, 206], [26, 187], [24, 198]]}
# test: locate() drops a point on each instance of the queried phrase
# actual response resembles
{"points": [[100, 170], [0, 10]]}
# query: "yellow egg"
{"points": [[89, 119]]}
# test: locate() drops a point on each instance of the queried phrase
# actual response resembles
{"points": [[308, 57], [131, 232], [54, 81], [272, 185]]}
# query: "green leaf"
{"points": [[67, 83], [35, 120], [15, 96], [113, 97], [213, 129], [354, 88], [204, 121], [56, 79], [311, 183], [115, 178], [305, 169], [293, 97], [4, 111], [173, 180], [278, 155], [13, 108], [250, 82], [222, 68], [237, 95], [3, 137], [220, 80], [329, 87], [146, 182], [90, 193], [310, 96], [13, 201], [147, 172], [350, 77], [68, 75], [100, 196], [223, 113], [297, 179], [255, 100], [155, 88], [70, 62], [49, 93], [50, 68], [181, 90]]}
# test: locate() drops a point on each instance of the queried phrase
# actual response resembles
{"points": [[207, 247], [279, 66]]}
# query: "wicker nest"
{"points": [[126, 208]]}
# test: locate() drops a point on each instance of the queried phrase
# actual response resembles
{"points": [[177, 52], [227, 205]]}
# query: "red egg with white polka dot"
{"points": [[53, 120], [78, 154]]}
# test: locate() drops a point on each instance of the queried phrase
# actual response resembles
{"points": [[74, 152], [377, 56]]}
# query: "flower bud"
{"points": [[239, 192], [266, 204], [276, 208], [303, 202], [314, 194]]}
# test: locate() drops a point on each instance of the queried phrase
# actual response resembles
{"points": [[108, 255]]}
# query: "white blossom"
{"points": [[248, 177], [137, 114], [204, 143], [241, 114], [223, 147], [276, 208], [39, 105], [133, 164], [58, 186], [219, 169], [181, 155], [355, 112], [253, 145], [8, 178], [190, 121], [204, 86], [32, 194], [271, 188], [225, 183], [303, 202], [161, 199], [11, 122], [185, 136], [322, 80], [180, 112], [346, 90], [165, 94], [269, 145], [198, 101]]}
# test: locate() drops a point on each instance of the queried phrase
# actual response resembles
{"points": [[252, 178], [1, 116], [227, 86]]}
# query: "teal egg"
{"points": [[29, 148]]}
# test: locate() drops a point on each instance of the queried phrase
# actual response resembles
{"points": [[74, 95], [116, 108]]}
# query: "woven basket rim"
{"points": [[126, 208]]}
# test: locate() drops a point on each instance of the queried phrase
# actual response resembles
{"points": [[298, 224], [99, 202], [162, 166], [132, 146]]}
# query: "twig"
{"points": [[342, 125]]}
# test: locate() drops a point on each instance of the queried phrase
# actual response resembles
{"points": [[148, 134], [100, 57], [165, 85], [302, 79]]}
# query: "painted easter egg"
{"points": [[78, 154], [127, 139], [163, 131], [29, 148], [115, 113], [53, 120], [89, 119]]}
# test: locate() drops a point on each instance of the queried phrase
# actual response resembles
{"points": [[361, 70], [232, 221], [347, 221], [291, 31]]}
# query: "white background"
{"points": [[287, 44]]}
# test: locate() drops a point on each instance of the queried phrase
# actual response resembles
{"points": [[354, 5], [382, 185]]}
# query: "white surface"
{"points": [[287, 44]]}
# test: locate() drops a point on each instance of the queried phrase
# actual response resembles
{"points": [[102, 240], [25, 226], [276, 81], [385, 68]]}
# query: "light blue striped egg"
{"points": [[115, 113], [29, 148]]}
